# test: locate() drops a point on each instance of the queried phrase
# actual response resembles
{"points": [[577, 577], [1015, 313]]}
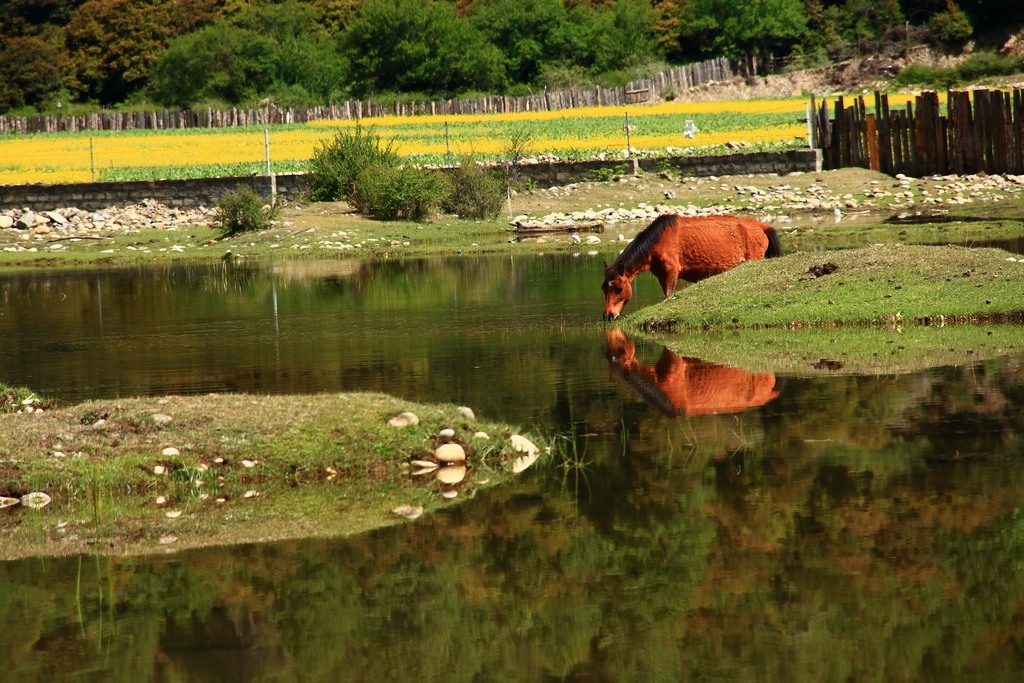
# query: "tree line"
{"points": [[79, 54]]}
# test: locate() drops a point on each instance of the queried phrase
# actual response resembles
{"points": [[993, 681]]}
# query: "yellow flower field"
{"points": [[63, 158]]}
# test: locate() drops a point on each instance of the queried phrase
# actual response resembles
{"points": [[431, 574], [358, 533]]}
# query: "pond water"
{"points": [[708, 524]]}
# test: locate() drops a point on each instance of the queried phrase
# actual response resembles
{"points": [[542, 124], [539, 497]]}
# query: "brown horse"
{"points": [[691, 248], [680, 386]]}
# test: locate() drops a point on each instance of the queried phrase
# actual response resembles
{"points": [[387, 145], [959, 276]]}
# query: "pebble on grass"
{"points": [[452, 474], [36, 500], [405, 419], [409, 511], [450, 452]]}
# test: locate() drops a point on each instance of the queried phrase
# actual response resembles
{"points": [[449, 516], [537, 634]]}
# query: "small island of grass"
{"points": [[877, 285], [143, 475]]}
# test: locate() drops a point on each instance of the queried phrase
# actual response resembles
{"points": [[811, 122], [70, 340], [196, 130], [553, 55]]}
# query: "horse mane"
{"points": [[774, 246], [647, 387], [640, 247]]}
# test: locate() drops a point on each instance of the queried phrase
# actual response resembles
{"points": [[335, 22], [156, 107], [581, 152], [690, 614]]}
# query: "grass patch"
{"points": [[889, 285], [19, 399], [247, 468]]}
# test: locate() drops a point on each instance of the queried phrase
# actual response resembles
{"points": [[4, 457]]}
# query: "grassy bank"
{"points": [[888, 285], [872, 209], [243, 469]]}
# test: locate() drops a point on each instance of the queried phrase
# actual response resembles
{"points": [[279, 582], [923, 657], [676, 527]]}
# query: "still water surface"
{"points": [[713, 524]]}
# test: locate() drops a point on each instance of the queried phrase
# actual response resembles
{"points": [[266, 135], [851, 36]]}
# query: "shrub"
{"points": [[952, 26], [337, 164], [242, 210], [974, 68], [981, 64], [475, 192], [389, 193]]}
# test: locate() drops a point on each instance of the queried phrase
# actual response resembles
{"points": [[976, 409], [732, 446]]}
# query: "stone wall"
{"points": [[781, 163], [207, 191]]}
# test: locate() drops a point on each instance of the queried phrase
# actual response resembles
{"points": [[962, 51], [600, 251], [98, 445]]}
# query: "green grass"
{"points": [[248, 468], [888, 285], [240, 170]]}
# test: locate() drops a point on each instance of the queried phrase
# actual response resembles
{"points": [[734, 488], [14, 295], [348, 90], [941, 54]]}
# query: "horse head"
{"points": [[621, 350], [618, 290]]}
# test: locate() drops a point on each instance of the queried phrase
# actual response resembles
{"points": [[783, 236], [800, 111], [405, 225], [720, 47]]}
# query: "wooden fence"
{"points": [[981, 131], [647, 90]]}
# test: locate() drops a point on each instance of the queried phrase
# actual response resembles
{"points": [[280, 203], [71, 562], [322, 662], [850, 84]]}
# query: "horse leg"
{"points": [[668, 282], [667, 273]]}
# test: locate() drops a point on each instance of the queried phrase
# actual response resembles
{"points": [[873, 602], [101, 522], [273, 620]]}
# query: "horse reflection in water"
{"points": [[680, 386], [690, 248]]}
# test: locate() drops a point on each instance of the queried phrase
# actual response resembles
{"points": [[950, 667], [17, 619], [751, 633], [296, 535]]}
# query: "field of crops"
{"points": [[567, 134]]}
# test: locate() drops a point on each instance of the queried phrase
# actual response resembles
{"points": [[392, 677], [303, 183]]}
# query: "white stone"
{"points": [[405, 419], [450, 452], [409, 511], [522, 444], [452, 474], [36, 499]]}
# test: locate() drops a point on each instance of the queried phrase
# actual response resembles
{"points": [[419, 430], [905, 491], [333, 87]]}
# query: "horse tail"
{"points": [[774, 246]]}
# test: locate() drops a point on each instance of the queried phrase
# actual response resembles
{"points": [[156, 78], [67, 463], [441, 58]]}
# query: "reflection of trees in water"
{"points": [[839, 550], [898, 572], [970, 413]]}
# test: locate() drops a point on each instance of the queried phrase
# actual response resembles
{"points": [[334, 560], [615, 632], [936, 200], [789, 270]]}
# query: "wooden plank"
{"points": [[839, 134], [980, 142], [815, 130], [1017, 165], [871, 135], [883, 144], [1000, 135], [858, 146], [899, 131]]}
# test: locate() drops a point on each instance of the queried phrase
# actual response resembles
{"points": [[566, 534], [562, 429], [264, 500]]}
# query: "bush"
{"points": [[389, 193], [974, 68], [952, 26], [242, 210], [982, 64], [475, 192], [336, 165]]}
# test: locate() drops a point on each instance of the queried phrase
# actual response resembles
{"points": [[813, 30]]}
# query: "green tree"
{"points": [[35, 17], [951, 26], [751, 30], [211, 64], [863, 19], [113, 44], [264, 51], [30, 72], [529, 33], [417, 46], [624, 35]]}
